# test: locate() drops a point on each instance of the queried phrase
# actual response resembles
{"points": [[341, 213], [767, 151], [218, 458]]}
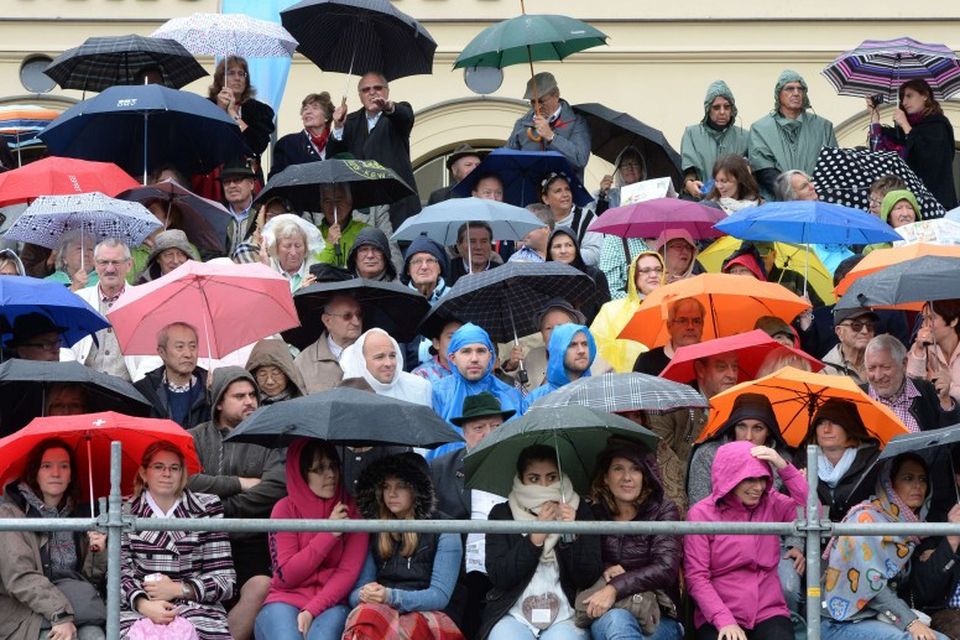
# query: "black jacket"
{"points": [[258, 116], [293, 148], [447, 474], [926, 408], [934, 581], [930, 149], [154, 390], [651, 362], [854, 487]]}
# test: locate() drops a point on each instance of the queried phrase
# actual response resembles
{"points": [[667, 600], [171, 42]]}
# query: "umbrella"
{"points": [[942, 442], [386, 305], [108, 61], [204, 221], [441, 221], [380, 37], [906, 285], [90, 435], [578, 434], [49, 217], [230, 306], [62, 176], [221, 34], [504, 301], [648, 219], [20, 295], [346, 416], [612, 131], [732, 305], [521, 173], [904, 443], [616, 392], [373, 183], [939, 231], [751, 349], [881, 66], [20, 124], [143, 126], [796, 396], [25, 384], [882, 258], [844, 176]]}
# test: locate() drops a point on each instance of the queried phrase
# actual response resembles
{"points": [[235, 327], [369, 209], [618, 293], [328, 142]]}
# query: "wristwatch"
{"points": [[185, 590], [60, 616]]}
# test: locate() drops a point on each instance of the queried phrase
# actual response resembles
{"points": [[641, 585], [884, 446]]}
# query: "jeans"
{"points": [[86, 632], [278, 621], [509, 628], [619, 624], [872, 629], [791, 583]]}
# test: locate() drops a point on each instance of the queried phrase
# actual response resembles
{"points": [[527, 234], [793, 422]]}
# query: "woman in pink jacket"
{"points": [[733, 578], [313, 572]]}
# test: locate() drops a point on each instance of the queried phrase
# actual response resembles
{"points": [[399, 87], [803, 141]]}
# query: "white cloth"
{"points": [[404, 386], [830, 473], [481, 502], [157, 509]]}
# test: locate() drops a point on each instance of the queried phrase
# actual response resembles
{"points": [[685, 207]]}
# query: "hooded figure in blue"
{"points": [[570, 354], [472, 355]]}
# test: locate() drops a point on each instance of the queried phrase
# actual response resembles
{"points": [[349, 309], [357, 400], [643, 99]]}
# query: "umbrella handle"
{"points": [[90, 475]]}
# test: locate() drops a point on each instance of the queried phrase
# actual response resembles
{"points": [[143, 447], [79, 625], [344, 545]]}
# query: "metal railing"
{"points": [[113, 522]]}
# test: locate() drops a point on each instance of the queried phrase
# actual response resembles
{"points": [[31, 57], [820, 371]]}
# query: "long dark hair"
{"points": [[218, 79], [736, 166], [35, 457], [930, 104]]}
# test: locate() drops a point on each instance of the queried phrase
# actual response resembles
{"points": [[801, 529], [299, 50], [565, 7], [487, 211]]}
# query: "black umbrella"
{"points": [[612, 131], [360, 35], [108, 61], [204, 221], [346, 416], [918, 280], [385, 305], [373, 184], [24, 385]]}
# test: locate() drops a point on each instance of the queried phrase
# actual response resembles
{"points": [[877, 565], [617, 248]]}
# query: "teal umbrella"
{"points": [[577, 433]]}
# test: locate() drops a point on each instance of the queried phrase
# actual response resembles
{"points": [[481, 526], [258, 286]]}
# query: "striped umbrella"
{"points": [[881, 66], [221, 34]]}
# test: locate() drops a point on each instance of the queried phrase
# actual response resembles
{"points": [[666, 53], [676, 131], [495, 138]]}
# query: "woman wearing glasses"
{"points": [[937, 345]]}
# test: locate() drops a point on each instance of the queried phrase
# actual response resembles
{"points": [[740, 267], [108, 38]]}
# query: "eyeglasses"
{"points": [[49, 345], [236, 73], [423, 262], [696, 322], [375, 87], [646, 270], [859, 325], [793, 89], [159, 467], [349, 316], [263, 374]]}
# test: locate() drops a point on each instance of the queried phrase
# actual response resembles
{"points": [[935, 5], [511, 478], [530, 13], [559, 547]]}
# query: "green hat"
{"points": [[482, 405], [892, 198], [789, 75]]}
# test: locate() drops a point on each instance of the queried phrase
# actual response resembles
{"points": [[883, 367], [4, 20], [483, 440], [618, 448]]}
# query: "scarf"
{"points": [[915, 118], [525, 498], [732, 205], [60, 544], [831, 474], [320, 141]]}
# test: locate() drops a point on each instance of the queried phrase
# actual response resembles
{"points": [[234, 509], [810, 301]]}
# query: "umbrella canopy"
{"points": [[881, 66], [25, 387], [883, 258], [49, 217], [921, 440], [939, 231], [441, 221], [844, 176], [346, 416], [648, 219], [217, 300], [796, 396], [92, 433], [108, 61], [808, 222], [751, 349], [504, 301], [222, 34], [380, 37], [732, 306], [62, 176], [521, 173], [577, 433], [906, 285], [20, 123], [616, 392], [613, 131], [21, 295]]}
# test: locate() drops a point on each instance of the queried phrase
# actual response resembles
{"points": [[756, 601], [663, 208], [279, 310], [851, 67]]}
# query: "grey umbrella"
{"points": [[616, 392], [920, 279]]}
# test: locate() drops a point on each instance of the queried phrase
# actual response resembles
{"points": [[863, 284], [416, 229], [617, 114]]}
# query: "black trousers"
{"points": [[776, 628]]}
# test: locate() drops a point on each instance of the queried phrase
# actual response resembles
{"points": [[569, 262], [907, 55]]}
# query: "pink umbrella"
{"points": [[230, 306], [649, 218]]}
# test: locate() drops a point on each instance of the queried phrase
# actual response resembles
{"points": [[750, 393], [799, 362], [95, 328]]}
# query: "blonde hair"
{"points": [[780, 358], [385, 541], [158, 447]]}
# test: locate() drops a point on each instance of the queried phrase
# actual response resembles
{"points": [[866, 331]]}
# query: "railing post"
{"points": [[114, 533], [813, 546]]}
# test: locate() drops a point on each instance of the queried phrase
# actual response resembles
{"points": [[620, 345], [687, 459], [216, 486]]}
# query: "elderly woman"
{"points": [[10, 263], [170, 250], [73, 260], [734, 187], [310, 144], [232, 92], [376, 357], [174, 577], [679, 253], [562, 246], [278, 378], [937, 345], [34, 567], [292, 245]]}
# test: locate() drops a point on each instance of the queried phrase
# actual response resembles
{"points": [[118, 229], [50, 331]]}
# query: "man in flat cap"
{"points": [[461, 162]]}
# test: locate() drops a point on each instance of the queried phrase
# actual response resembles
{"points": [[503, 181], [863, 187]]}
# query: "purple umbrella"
{"points": [[649, 218]]}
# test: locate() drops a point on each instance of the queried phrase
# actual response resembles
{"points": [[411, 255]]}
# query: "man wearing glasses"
{"points": [[35, 337], [685, 326], [854, 328], [319, 363]]}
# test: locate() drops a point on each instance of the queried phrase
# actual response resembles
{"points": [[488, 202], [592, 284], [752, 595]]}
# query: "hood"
{"points": [[409, 467], [672, 234], [309, 504], [843, 413], [223, 377], [276, 353], [629, 150], [789, 75], [892, 198], [560, 340], [10, 254], [423, 244], [757, 407], [716, 89], [632, 292], [578, 262], [372, 237], [745, 259], [354, 365], [733, 464], [470, 334]]}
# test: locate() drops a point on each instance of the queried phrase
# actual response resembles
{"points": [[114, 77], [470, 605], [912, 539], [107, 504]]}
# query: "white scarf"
{"points": [[525, 498], [831, 474]]}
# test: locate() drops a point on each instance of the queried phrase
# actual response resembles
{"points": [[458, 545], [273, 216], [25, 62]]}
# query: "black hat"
{"points": [[481, 405], [560, 303], [30, 325], [752, 406], [839, 315], [460, 152], [237, 170]]}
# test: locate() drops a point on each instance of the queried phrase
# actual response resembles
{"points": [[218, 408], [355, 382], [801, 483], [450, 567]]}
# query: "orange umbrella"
{"points": [[732, 303], [880, 258], [796, 395]]}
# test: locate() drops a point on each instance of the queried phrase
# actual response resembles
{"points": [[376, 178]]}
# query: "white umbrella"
{"points": [[222, 34]]}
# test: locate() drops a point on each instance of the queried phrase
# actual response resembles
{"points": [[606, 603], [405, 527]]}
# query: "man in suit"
{"points": [[379, 131], [461, 162]]}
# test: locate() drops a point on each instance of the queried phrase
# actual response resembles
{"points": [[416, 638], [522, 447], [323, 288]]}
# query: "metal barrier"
{"points": [[808, 524]]}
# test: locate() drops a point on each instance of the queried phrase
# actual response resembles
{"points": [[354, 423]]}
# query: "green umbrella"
{"points": [[577, 433]]}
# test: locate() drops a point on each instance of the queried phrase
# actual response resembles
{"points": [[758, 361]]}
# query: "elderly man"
{"points": [[714, 136], [380, 131], [534, 245], [319, 363], [35, 337], [716, 373], [370, 256], [488, 187], [239, 183], [177, 389], [571, 351], [685, 326], [339, 227], [460, 163], [790, 137], [551, 124], [248, 478], [425, 262], [854, 329], [474, 250]]}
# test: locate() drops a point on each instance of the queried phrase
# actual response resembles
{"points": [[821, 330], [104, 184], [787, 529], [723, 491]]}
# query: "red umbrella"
{"points": [[650, 218], [56, 176], [90, 436], [751, 349]]}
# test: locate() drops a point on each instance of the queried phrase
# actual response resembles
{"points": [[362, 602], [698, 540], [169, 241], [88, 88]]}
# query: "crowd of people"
{"points": [[319, 585]]}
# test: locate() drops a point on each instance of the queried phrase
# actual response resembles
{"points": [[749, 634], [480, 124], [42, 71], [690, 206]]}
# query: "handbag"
{"points": [[647, 607], [88, 607]]}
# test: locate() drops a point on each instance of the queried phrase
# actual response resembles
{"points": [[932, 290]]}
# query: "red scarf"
{"points": [[320, 141]]}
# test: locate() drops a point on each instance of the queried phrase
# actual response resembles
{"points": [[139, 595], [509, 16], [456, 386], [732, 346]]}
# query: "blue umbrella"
{"points": [[175, 127], [442, 221], [20, 295], [521, 173]]}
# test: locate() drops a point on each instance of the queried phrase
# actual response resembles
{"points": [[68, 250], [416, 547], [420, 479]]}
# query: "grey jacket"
{"points": [[572, 137]]}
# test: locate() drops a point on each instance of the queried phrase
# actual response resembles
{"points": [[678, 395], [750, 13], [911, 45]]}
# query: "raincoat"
{"points": [[557, 375], [703, 143], [613, 317], [404, 386]]}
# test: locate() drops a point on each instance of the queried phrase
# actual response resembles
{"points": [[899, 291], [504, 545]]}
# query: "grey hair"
{"points": [[383, 78], [164, 334], [783, 185], [888, 343], [112, 243], [672, 313], [67, 239], [543, 214], [287, 229]]}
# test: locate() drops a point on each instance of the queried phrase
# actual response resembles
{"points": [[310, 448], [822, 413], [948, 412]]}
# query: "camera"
{"points": [[876, 100]]}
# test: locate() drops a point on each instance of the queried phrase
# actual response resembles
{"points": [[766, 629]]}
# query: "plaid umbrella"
{"points": [[881, 66], [104, 62], [615, 392], [505, 301], [844, 176], [220, 34]]}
